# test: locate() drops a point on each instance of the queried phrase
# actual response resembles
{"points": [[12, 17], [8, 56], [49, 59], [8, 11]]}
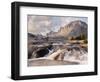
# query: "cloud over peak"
{"points": [[43, 24]]}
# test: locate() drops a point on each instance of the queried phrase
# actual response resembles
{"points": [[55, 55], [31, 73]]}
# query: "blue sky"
{"points": [[43, 24]]}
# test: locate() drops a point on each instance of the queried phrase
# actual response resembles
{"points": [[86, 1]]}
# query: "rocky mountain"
{"points": [[35, 36], [73, 29]]}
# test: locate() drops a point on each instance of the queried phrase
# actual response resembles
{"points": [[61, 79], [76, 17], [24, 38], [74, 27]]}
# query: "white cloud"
{"points": [[39, 24]]}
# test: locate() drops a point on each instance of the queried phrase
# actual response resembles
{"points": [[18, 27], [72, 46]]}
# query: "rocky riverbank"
{"points": [[62, 54]]}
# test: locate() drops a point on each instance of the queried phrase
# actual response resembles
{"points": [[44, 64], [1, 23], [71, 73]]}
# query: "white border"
{"points": [[25, 70]]}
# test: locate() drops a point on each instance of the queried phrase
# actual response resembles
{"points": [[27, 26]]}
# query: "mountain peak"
{"points": [[74, 28]]}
